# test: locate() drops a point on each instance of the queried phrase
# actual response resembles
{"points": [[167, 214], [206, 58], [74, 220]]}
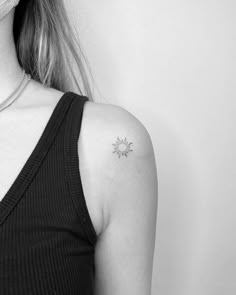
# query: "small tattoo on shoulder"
{"points": [[122, 147]]}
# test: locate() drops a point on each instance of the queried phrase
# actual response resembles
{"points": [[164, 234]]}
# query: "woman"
{"points": [[78, 178]]}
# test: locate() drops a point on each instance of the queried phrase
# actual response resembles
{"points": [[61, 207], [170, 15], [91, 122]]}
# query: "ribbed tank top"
{"points": [[47, 239]]}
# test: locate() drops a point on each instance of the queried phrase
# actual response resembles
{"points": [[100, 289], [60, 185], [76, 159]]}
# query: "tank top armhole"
{"points": [[73, 177]]}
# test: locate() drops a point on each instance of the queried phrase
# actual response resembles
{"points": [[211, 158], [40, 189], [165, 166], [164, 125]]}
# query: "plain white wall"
{"points": [[173, 65]]}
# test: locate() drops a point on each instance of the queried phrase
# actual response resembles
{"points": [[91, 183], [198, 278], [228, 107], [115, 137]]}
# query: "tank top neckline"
{"points": [[29, 169]]}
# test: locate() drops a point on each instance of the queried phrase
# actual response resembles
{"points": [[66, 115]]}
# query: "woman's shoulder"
{"points": [[118, 172], [110, 122], [114, 147], [104, 124], [118, 152], [115, 151], [114, 134], [109, 118]]}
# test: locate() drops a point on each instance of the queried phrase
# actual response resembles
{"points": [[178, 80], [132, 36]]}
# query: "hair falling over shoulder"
{"points": [[48, 46]]}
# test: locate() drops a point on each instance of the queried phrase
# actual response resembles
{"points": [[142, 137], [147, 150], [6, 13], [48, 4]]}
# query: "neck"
{"points": [[10, 70]]}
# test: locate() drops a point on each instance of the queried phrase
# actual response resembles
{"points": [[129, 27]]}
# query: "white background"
{"points": [[172, 64]]}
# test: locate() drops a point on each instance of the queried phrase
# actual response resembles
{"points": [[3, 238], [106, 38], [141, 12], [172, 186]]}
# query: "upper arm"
{"points": [[125, 249]]}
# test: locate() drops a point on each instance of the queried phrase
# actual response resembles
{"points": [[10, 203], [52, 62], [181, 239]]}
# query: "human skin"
{"points": [[120, 185]]}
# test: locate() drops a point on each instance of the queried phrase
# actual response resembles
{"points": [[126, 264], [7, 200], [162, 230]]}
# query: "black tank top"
{"points": [[47, 239]]}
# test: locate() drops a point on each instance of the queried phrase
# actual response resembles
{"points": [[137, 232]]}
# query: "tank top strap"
{"points": [[34, 161], [45, 227], [73, 177]]}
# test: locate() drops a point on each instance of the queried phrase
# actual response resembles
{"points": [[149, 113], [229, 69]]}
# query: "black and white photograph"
{"points": [[117, 150]]}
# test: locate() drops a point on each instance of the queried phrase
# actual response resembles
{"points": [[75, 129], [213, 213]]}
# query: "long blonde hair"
{"points": [[48, 46]]}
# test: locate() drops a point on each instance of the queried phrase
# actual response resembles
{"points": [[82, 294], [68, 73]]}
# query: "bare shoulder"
{"points": [[115, 143], [116, 124], [117, 150]]}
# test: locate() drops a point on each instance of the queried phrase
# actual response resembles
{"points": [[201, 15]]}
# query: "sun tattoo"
{"points": [[122, 147]]}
